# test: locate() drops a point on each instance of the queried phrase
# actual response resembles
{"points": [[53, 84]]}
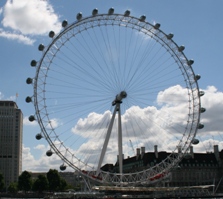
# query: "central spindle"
{"points": [[119, 97]]}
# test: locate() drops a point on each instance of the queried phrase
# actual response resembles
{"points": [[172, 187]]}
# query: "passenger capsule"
{"points": [[29, 80], [111, 11], [157, 26], [195, 141], [201, 93], [202, 110], [64, 23], [62, 167], [31, 118], [142, 18], [28, 99], [197, 77], [95, 12], [49, 153], [51, 34], [170, 36], [127, 13], [181, 48], [190, 62], [39, 136], [41, 47], [33, 63], [79, 16], [200, 126]]}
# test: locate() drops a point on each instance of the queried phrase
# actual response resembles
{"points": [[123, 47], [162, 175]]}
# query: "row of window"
{"points": [[6, 103], [198, 165]]}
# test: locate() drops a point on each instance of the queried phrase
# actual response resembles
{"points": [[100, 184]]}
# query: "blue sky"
{"points": [[24, 25]]}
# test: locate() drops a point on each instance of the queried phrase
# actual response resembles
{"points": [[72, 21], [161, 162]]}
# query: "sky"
{"points": [[25, 24]]}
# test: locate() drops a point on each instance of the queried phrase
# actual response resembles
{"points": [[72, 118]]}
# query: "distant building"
{"points": [[11, 131], [72, 178], [193, 170], [198, 169]]}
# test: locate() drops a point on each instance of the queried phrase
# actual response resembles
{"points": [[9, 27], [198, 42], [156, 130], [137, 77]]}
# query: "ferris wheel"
{"points": [[108, 90]]}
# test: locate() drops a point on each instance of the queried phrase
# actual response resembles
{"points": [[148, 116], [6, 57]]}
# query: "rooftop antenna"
{"points": [[213, 139], [210, 146], [132, 147], [16, 96]]}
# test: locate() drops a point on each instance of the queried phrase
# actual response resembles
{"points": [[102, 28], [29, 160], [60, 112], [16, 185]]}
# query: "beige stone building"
{"points": [[11, 131]]}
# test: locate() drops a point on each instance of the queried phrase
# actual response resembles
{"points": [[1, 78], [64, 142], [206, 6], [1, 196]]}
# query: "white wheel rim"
{"points": [[75, 82]]}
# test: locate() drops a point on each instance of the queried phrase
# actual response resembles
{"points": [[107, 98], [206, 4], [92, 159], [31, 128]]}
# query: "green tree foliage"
{"points": [[25, 181], [54, 180], [56, 183], [63, 185], [41, 184], [2, 183], [13, 187]]}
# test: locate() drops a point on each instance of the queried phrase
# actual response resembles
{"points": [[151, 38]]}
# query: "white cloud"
{"points": [[18, 37], [30, 17], [25, 19], [212, 118], [54, 123], [149, 124], [172, 96], [27, 157], [40, 147], [42, 164], [92, 122], [163, 126]]}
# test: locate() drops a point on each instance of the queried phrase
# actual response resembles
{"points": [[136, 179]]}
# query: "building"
{"points": [[194, 169], [198, 169], [11, 130]]}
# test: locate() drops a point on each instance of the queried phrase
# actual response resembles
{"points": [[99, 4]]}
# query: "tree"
{"points": [[13, 187], [53, 179], [56, 183], [2, 183], [63, 184], [25, 181], [41, 184]]}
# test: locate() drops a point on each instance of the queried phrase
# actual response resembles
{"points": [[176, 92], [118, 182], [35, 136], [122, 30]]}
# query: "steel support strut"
{"points": [[116, 103], [120, 153]]}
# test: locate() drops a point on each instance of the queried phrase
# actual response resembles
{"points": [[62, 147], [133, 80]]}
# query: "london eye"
{"points": [[109, 84]]}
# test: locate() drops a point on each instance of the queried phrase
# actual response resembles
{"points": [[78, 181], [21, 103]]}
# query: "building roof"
{"points": [[8, 103], [152, 158]]}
